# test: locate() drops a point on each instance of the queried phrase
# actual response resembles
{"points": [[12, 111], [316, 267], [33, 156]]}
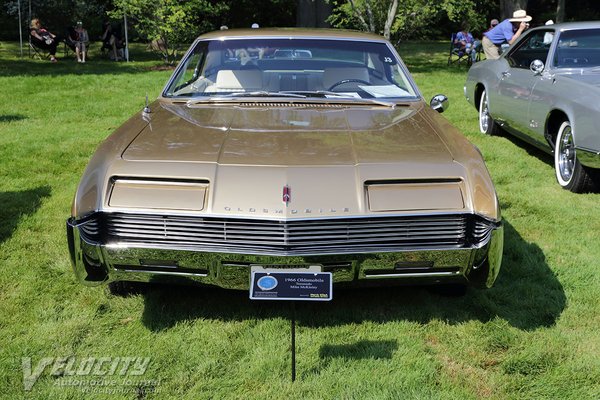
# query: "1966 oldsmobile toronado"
{"points": [[287, 148]]}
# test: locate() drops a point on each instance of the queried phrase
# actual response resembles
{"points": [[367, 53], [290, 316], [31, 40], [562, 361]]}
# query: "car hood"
{"points": [[337, 160], [284, 135]]}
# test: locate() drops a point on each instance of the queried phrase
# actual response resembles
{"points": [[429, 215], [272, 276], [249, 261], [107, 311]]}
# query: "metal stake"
{"points": [[293, 341]]}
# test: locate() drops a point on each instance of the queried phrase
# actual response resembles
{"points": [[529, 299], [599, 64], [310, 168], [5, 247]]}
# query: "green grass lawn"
{"points": [[534, 335]]}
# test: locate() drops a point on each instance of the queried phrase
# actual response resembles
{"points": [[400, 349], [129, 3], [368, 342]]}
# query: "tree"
{"points": [[170, 23], [406, 18], [507, 7], [560, 11]]}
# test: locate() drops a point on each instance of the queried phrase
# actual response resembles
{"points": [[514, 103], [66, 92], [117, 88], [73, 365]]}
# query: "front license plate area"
{"points": [[304, 284]]}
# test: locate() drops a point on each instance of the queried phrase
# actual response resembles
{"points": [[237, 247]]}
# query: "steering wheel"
{"points": [[338, 83]]}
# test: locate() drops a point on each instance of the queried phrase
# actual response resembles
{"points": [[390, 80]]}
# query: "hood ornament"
{"points": [[147, 106], [146, 114], [287, 194]]}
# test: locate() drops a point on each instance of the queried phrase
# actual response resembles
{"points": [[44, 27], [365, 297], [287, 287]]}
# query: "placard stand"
{"points": [[291, 285], [293, 341]]}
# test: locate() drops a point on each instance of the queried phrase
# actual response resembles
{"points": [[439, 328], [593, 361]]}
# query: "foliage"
{"points": [[414, 18], [170, 23], [267, 13], [56, 15]]}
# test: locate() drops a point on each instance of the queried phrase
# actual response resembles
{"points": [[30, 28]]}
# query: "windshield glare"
{"points": [[578, 49], [352, 69]]}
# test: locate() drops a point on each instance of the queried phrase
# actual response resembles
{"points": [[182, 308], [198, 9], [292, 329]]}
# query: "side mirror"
{"points": [[439, 103], [536, 66]]}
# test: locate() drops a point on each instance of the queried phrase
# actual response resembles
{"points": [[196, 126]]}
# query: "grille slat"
{"points": [[312, 236]]}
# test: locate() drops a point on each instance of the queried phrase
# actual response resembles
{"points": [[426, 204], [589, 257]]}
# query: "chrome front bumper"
{"points": [[95, 264]]}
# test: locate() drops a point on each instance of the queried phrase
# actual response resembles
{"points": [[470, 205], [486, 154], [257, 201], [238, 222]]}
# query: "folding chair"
{"points": [[37, 52], [456, 55]]}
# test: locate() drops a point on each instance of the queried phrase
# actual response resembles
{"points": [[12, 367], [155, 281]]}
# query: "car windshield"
{"points": [[291, 68], [578, 49]]}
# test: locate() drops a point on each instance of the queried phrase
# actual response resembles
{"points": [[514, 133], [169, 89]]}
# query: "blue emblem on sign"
{"points": [[267, 283]]}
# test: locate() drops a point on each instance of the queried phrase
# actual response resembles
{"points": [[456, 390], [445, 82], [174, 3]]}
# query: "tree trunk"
{"points": [[560, 11], [312, 13], [507, 7], [360, 17], [391, 15]]}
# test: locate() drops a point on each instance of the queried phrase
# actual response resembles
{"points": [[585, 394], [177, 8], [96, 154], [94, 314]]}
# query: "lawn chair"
{"points": [[457, 55], [37, 52]]}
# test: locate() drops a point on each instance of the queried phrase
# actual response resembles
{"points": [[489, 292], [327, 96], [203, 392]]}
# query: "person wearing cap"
{"points": [[81, 42], [506, 32], [493, 24]]}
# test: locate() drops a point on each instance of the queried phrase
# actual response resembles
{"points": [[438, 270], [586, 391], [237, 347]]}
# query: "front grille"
{"points": [[482, 230], [319, 236]]}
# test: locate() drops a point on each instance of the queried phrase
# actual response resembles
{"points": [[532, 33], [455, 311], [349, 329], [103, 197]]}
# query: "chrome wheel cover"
{"points": [[484, 116], [566, 154]]}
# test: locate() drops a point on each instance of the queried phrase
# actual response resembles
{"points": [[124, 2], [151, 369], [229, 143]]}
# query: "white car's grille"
{"points": [[299, 237]]}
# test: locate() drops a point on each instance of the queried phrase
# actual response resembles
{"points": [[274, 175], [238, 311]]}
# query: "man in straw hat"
{"points": [[505, 32]]}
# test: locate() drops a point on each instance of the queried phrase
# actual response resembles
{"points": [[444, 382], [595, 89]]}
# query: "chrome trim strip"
{"points": [[312, 253], [165, 273], [588, 157], [177, 213], [414, 275]]}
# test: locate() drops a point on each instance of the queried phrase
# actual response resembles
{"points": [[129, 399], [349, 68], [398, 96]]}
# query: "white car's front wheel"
{"points": [[487, 125], [570, 174]]}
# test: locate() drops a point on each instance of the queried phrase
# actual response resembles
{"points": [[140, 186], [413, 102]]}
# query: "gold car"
{"points": [[287, 149]]}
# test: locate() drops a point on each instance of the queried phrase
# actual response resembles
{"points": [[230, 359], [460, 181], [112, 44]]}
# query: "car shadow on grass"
{"points": [[529, 148], [16, 205], [527, 295], [8, 118]]}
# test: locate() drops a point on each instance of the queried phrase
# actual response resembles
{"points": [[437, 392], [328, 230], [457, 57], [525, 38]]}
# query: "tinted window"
{"points": [[578, 49]]}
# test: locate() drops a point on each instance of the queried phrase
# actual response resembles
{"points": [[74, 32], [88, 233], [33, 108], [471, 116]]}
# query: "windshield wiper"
{"points": [[320, 94], [263, 93], [326, 94], [229, 97]]}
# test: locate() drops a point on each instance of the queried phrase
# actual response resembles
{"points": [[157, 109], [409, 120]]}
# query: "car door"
{"points": [[517, 81], [543, 94]]}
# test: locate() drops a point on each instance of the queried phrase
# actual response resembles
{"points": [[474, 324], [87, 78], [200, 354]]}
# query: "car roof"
{"points": [[567, 26], [338, 34]]}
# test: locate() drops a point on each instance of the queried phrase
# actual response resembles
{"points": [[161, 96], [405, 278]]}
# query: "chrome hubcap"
{"points": [[566, 155], [484, 118]]}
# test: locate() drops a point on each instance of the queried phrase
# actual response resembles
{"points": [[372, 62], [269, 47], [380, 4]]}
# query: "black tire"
{"points": [[487, 125], [570, 174]]}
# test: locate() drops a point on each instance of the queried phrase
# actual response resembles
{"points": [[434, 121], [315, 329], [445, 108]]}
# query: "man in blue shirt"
{"points": [[506, 32]]}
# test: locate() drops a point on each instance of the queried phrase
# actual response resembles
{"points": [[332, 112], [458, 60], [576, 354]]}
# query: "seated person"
{"points": [[70, 37], [111, 40], [466, 44], [81, 41], [43, 39]]}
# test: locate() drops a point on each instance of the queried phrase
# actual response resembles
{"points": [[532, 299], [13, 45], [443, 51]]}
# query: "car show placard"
{"points": [[290, 285]]}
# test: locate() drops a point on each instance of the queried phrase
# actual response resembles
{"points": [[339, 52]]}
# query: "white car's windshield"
{"points": [[578, 49], [300, 67]]}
